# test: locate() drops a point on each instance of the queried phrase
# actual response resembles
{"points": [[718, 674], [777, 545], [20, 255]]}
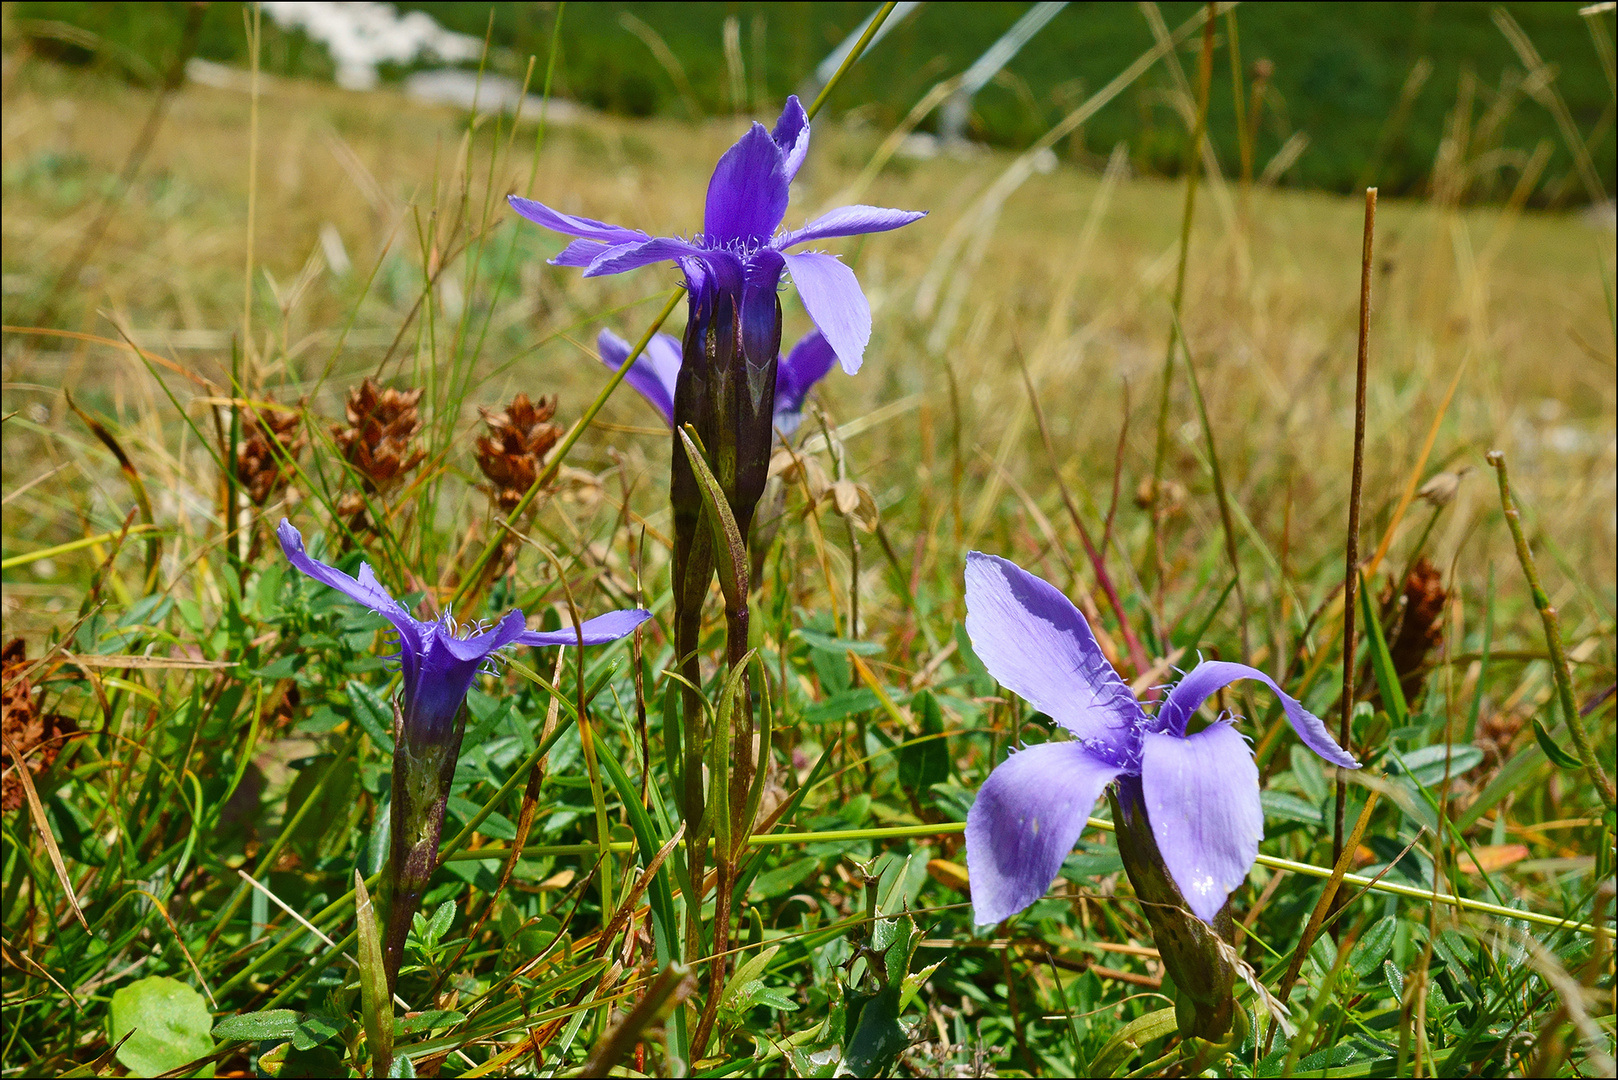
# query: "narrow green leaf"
{"points": [[1130, 1038], [376, 1003], [719, 752], [1387, 677], [727, 537], [1373, 947], [1561, 758], [765, 732], [924, 760], [664, 927]]}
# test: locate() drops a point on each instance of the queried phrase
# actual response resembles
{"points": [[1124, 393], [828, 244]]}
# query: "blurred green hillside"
{"points": [[1347, 76]]}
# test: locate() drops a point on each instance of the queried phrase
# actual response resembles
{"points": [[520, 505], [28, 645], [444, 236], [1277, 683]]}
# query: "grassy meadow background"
{"points": [[370, 236]]}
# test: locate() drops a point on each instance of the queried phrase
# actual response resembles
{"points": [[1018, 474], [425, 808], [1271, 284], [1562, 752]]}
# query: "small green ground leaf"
{"points": [[427, 1021], [259, 1026], [924, 761], [1373, 947], [170, 1022]]}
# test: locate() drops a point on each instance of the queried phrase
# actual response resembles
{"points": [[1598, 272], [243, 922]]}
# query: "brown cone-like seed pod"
{"points": [[272, 439], [513, 452], [1421, 629], [379, 439], [38, 737]]}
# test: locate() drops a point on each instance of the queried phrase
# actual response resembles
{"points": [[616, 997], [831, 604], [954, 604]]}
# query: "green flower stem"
{"points": [[1553, 637], [297, 934]]}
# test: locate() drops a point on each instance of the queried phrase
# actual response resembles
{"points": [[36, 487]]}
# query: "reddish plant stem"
{"points": [[1351, 561]]}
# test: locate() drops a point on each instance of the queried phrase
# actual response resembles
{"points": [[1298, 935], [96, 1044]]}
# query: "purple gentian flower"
{"points": [[739, 250], [437, 658], [656, 369], [438, 661], [1200, 791]]}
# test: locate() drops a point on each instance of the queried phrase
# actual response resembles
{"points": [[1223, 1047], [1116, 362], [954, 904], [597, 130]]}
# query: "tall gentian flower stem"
{"points": [[1186, 805], [725, 391], [438, 661], [725, 388]]}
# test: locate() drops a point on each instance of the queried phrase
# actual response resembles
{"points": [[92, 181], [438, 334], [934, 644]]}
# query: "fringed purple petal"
{"points": [[597, 631], [482, 646], [1211, 675], [1037, 644], [582, 253], [848, 221], [836, 304], [651, 374], [1025, 820], [365, 590], [616, 260], [583, 227], [791, 135], [747, 197], [1202, 798]]}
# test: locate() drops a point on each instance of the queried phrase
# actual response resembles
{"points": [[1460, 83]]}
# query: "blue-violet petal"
{"points": [[1202, 798], [1025, 820], [836, 304], [1211, 675], [747, 197], [1037, 644]]}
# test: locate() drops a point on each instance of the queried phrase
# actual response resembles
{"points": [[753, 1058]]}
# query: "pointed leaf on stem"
{"points": [[720, 752], [727, 537], [376, 1004]]}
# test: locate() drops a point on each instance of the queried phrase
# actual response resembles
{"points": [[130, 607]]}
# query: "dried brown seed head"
{"points": [[272, 439], [379, 439], [513, 451], [37, 736], [1421, 626]]}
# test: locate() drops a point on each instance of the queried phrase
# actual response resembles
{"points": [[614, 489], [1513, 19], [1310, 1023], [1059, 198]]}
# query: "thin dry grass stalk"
{"points": [[378, 441]]}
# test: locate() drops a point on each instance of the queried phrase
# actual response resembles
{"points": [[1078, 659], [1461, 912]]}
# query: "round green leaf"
{"points": [[170, 1022]]}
